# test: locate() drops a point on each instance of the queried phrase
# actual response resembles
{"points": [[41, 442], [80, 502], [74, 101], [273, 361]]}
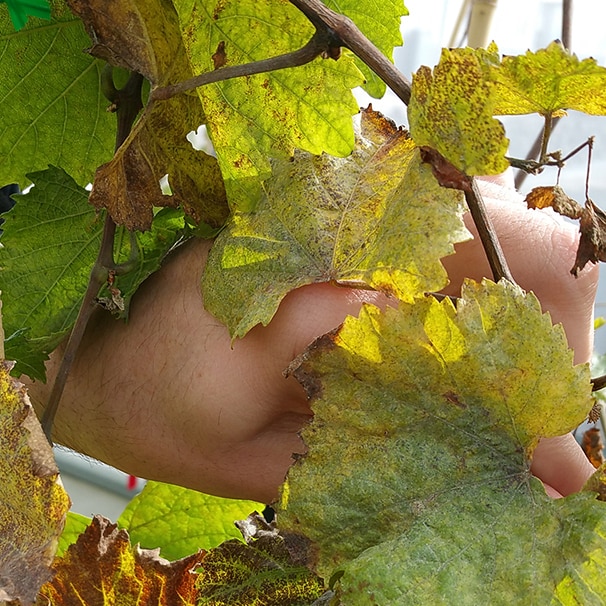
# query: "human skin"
{"points": [[166, 397]]}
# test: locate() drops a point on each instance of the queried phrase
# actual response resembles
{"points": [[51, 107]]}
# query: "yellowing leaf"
{"points": [[149, 43], [417, 481], [377, 218], [103, 568], [451, 110], [33, 505], [549, 81], [251, 118]]}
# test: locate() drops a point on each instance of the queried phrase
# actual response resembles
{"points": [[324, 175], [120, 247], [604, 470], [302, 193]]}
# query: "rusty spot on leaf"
{"points": [[219, 57], [453, 398]]}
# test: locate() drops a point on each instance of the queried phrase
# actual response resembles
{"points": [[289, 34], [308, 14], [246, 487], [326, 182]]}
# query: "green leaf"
{"points": [[425, 420], [182, 521], [377, 218], [50, 243], [451, 110], [50, 90], [75, 525], [549, 81], [19, 10], [269, 114], [380, 26]]}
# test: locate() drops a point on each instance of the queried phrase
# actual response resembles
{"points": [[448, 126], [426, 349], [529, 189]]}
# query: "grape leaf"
{"points": [[381, 26], [50, 90], [50, 242], [377, 218], [451, 110], [549, 81], [19, 10], [103, 568], [269, 114], [33, 504], [149, 43], [270, 569], [181, 521], [425, 420]]}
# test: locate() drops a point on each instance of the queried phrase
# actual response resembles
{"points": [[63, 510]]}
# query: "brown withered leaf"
{"points": [[446, 173], [102, 567], [149, 42], [129, 185], [592, 245], [33, 505], [553, 196], [593, 447]]}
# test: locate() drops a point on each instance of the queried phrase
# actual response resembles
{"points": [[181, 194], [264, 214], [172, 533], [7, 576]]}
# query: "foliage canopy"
{"points": [[416, 487]]}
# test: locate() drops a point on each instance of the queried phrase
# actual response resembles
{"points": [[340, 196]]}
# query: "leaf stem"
{"points": [[319, 43], [127, 103], [352, 38], [487, 233]]}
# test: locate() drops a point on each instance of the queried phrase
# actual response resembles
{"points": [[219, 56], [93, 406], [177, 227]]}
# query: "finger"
{"points": [[561, 464]]}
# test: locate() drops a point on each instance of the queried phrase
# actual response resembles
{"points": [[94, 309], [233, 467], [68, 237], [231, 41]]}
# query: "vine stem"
{"points": [[487, 233], [333, 31], [352, 38], [539, 147], [127, 104]]}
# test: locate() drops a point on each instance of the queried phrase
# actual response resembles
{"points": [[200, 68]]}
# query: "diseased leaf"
{"points": [[553, 196], [181, 521], [592, 244], [103, 568], [269, 570], [451, 110], [377, 218], [149, 43], [50, 91], [33, 504], [549, 81], [269, 114], [417, 480], [50, 242]]}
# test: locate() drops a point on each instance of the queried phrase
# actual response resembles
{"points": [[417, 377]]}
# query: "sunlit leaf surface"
{"points": [[377, 218], [417, 480]]}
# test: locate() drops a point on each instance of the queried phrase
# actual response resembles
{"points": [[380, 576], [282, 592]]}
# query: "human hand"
{"points": [[167, 398]]}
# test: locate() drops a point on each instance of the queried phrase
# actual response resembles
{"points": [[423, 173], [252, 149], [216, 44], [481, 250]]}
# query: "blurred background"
{"points": [[516, 26]]}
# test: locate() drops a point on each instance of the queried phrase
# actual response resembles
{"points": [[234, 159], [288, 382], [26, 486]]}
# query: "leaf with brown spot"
{"points": [[33, 505], [270, 569], [377, 219], [102, 567], [451, 110], [148, 41], [129, 185]]}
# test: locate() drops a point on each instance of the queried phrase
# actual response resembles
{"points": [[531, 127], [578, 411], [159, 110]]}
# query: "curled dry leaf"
{"points": [[592, 245], [553, 196], [33, 505], [102, 567]]}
